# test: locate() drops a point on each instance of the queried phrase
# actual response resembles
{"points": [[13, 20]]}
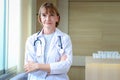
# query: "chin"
{"points": [[48, 27]]}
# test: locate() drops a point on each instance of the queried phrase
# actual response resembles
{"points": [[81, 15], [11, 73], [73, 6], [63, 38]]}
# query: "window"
{"points": [[2, 36], [9, 37], [16, 21]]}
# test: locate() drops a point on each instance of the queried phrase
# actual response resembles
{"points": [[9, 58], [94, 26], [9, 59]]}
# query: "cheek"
{"points": [[42, 20], [57, 18]]}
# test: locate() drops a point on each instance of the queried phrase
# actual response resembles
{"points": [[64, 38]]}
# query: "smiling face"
{"points": [[49, 16], [48, 19]]}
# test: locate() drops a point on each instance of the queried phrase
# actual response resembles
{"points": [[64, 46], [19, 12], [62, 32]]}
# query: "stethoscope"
{"points": [[38, 42], [60, 45]]}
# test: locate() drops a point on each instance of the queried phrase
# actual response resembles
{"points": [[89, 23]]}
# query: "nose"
{"points": [[48, 18]]}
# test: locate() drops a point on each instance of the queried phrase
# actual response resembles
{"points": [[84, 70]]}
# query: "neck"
{"points": [[48, 31]]}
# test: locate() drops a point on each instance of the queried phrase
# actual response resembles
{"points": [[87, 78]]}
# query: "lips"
{"points": [[48, 23]]}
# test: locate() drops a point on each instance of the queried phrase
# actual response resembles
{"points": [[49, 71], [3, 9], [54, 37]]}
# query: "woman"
{"points": [[48, 53]]}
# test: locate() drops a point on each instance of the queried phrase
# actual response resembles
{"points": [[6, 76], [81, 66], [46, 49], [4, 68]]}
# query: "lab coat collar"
{"points": [[57, 32], [40, 33]]}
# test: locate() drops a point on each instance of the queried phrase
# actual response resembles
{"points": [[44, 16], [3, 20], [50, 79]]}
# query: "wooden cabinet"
{"points": [[102, 69]]}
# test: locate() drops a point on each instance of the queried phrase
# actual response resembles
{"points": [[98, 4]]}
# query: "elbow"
{"points": [[60, 69]]}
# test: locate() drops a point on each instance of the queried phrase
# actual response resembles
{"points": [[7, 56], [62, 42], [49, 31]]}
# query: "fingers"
{"points": [[27, 68], [30, 67], [63, 57]]}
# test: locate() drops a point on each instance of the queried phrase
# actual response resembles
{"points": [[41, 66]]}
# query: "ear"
{"points": [[58, 18], [39, 19]]}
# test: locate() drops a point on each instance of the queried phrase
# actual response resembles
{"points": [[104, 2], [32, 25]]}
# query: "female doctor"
{"points": [[48, 53]]}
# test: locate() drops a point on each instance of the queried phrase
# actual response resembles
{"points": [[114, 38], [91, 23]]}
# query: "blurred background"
{"points": [[92, 24]]}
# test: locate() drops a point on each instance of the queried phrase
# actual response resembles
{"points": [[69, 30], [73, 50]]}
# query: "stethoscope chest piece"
{"points": [[61, 51], [39, 50]]}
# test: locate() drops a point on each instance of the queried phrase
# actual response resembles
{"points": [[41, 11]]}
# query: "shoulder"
{"points": [[32, 38], [62, 34]]}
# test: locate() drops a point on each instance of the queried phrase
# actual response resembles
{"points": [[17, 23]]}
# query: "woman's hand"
{"points": [[31, 66], [63, 57]]}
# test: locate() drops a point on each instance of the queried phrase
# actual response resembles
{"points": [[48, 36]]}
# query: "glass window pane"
{"points": [[2, 36]]}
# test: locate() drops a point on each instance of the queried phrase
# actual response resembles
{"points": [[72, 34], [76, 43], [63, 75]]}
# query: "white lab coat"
{"points": [[58, 68]]}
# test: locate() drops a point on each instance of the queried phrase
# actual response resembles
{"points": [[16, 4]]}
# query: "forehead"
{"points": [[47, 10]]}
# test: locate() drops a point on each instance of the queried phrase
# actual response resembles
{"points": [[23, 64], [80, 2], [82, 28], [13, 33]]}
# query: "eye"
{"points": [[52, 14], [43, 15]]}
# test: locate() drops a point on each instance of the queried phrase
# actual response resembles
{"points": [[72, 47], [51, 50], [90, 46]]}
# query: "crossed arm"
{"points": [[32, 66]]}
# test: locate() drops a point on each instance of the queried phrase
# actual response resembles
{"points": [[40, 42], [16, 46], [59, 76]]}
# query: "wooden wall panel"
{"points": [[94, 26]]}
